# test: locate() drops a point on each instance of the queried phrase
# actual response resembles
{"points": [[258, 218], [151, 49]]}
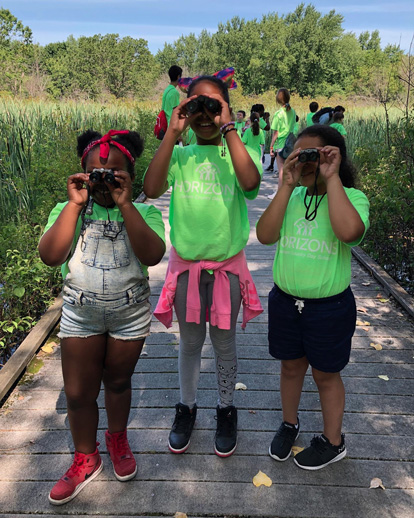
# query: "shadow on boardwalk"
{"points": [[36, 446]]}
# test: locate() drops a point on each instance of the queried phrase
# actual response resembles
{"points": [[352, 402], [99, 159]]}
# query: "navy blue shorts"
{"points": [[322, 330]]}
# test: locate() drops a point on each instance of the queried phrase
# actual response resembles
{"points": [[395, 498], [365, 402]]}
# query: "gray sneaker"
{"points": [[282, 443]]}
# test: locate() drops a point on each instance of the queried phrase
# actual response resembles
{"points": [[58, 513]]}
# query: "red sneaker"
{"points": [[121, 455], [84, 469]]}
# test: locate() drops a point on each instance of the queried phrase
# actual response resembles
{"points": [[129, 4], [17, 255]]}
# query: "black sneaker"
{"points": [[320, 453], [282, 443], [225, 441], [179, 439], [269, 169]]}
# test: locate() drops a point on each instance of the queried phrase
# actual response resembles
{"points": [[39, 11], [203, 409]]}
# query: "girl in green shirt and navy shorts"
{"points": [[312, 313]]}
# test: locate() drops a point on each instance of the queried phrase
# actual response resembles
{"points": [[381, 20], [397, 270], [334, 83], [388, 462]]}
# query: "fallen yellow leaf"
{"points": [[47, 349], [296, 450], [261, 479], [377, 347], [376, 482], [240, 386], [365, 329], [384, 300], [180, 515], [362, 323], [366, 283], [384, 377]]}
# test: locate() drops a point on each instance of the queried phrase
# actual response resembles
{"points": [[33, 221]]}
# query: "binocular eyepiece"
{"points": [[107, 175], [308, 155], [201, 102]]}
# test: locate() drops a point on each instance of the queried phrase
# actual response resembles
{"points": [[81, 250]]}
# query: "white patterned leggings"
{"points": [[192, 338]]}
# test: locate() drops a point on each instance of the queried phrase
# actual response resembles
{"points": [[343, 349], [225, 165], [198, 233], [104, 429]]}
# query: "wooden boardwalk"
{"points": [[36, 447]]}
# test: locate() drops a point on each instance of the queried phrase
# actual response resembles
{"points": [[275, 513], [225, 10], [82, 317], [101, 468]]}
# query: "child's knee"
{"points": [[325, 379], [294, 368]]}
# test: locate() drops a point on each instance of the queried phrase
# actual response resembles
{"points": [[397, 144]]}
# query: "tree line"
{"points": [[305, 51]]}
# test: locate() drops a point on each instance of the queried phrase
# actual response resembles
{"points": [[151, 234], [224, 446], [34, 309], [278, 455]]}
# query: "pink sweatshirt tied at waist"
{"points": [[220, 311]]}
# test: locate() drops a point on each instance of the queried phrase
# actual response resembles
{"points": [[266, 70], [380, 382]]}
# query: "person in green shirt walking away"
{"points": [[312, 312], [282, 125], [338, 123], [254, 136], [207, 276], [313, 108], [171, 97]]}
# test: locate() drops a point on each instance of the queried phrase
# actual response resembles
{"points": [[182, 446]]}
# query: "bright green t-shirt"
{"points": [[310, 261], [152, 217], [283, 122], [309, 121], [239, 126], [254, 141], [208, 211], [296, 129], [262, 123], [191, 137], [339, 127], [170, 99]]}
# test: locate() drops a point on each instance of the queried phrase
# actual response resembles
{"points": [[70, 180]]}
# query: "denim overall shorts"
{"points": [[105, 290]]}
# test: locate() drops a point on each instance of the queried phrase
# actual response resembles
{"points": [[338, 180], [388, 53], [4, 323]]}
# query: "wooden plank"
{"points": [[392, 287], [10, 373]]}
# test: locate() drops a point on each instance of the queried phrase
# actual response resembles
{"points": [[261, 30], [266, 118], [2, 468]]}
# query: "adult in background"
{"points": [[171, 97]]}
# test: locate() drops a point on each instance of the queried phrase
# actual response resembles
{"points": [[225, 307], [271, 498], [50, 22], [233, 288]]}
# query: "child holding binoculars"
{"points": [[104, 243], [207, 270], [312, 313]]}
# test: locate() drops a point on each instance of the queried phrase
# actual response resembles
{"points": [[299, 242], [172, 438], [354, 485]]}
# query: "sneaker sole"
{"points": [[182, 450], [278, 458], [124, 478], [314, 468], [78, 489], [223, 455]]}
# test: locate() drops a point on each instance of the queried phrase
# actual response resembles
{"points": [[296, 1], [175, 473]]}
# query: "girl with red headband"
{"points": [[207, 271], [104, 243]]}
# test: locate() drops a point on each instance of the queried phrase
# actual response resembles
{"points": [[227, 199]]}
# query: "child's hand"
{"points": [[292, 169], [330, 162], [122, 193], [179, 120], [77, 192]]}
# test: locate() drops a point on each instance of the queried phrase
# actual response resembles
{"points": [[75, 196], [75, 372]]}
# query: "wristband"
{"points": [[228, 131], [231, 123]]}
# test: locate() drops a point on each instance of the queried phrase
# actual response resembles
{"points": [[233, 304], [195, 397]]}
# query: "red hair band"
{"points": [[104, 143]]}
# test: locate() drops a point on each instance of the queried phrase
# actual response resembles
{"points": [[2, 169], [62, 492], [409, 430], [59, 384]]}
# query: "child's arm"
{"points": [[55, 245], [155, 181], [148, 247], [345, 220], [270, 222], [274, 138]]}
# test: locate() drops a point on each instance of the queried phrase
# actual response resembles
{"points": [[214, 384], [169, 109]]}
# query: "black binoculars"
{"points": [[202, 101], [308, 155], [97, 175]]}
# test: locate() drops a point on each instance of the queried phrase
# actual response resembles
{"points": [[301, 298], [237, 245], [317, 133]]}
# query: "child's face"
{"points": [[239, 116], [205, 129], [308, 171], [116, 161]]}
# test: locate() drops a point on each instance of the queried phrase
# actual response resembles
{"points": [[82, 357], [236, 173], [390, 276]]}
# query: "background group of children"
{"points": [[105, 243]]}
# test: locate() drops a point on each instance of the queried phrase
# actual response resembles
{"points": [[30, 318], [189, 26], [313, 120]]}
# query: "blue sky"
{"points": [[160, 21]]}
